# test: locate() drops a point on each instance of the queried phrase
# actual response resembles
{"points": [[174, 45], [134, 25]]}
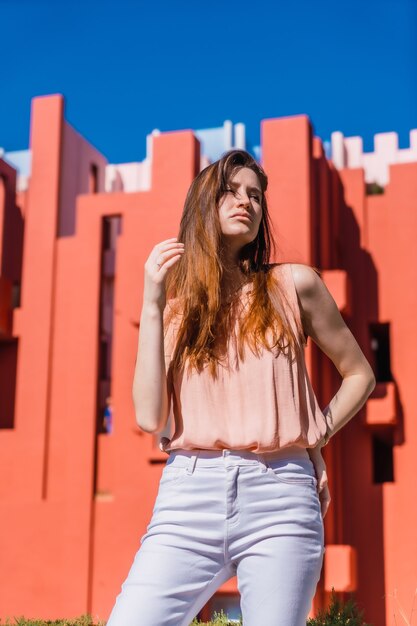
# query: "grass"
{"points": [[336, 614]]}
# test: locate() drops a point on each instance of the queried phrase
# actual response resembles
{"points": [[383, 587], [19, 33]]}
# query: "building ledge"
{"points": [[340, 568]]}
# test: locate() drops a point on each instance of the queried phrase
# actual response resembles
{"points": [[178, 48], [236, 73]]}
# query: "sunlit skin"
{"points": [[243, 195]]}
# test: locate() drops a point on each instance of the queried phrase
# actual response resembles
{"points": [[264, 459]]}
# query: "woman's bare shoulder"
{"points": [[286, 269], [306, 278], [274, 268], [324, 323]]}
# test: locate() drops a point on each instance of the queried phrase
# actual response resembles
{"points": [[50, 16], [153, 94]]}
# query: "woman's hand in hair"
{"points": [[162, 257]]}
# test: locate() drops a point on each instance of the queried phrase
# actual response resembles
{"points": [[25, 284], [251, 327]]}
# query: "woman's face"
{"points": [[240, 208]]}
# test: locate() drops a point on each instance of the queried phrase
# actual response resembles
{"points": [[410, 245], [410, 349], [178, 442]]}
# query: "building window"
{"points": [[93, 179], [110, 229], [382, 456], [8, 373], [374, 189], [380, 346]]}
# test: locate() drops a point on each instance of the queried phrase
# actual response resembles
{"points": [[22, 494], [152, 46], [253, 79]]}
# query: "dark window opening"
{"points": [[110, 229], [93, 179], [104, 359], [16, 293], [380, 346], [2, 194], [382, 456], [107, 232], [374, 189], [8, 371]]}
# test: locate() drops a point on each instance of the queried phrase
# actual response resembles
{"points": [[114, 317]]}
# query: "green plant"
{"points": [[338, 614], [219, 619], [83, 620], [373, 189]]}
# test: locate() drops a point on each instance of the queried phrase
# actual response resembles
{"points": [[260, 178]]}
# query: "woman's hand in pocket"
{"points": [[163, 443], [322, 480]]}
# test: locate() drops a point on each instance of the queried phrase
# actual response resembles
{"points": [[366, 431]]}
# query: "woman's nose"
{"points": [[244, 200]]}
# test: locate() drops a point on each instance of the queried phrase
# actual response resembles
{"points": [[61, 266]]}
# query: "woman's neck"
{"points": [[232, 282]]}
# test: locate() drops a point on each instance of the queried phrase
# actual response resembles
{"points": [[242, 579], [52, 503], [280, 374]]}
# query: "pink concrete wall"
{"points": [[74, 502]]}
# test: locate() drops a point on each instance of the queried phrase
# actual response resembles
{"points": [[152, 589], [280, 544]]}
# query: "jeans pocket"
{"points": [[294, 476], [173, 475]]}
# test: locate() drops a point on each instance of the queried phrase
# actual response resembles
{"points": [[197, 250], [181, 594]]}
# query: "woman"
{"points": [[244, 490]]}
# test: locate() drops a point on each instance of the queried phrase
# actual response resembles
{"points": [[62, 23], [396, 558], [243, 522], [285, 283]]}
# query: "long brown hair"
{"points": [[193, 286]]}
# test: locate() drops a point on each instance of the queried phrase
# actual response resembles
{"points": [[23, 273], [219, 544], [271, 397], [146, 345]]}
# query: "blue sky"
{"points": [[128, 67]]}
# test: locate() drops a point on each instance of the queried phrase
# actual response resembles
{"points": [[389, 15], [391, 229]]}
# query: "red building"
{"points": [[74, 236]]}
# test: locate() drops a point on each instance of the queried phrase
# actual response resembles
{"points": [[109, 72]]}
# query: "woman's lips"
{"points": [[241, 216]]}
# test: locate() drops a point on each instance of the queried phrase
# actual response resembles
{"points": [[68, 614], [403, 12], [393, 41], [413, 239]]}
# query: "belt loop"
{"points": [[192, 462], [263, 462]]}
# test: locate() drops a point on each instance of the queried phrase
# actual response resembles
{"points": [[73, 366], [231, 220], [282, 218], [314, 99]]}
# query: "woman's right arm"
{"points": [[150, 390]]}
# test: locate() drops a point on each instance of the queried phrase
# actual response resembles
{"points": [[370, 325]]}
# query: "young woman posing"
{"points": [[222, 335]]}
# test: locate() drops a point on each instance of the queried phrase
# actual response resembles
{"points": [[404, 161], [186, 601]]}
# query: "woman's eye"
{"points": [[257, 198]]}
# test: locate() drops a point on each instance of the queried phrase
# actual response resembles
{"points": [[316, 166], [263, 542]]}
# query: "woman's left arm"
{"points": [[323, 322]]}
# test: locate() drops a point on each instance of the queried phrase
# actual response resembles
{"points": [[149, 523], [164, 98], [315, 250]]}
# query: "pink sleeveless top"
{"points": [[263, 404]]}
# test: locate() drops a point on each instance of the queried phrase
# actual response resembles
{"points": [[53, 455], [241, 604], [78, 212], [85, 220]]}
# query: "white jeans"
{"points": [[221, 513]]}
